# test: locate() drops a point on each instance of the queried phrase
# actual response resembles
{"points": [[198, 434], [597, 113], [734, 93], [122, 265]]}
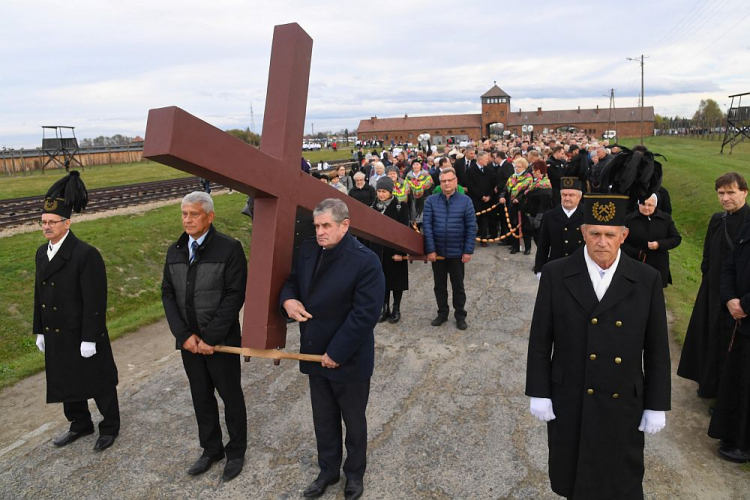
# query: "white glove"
{"points": [[88, 349], [541, 408], [40, 342], [538, 276], [652, 421]]}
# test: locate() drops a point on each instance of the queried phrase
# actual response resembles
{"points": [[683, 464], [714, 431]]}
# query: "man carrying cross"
{"points": [[337, 315]]}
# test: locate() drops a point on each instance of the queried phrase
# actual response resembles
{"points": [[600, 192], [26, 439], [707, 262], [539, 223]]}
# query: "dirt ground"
{"points": [[447, 417]]}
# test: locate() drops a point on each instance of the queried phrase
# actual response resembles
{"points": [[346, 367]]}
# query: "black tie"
{"points": [[194, 246]]}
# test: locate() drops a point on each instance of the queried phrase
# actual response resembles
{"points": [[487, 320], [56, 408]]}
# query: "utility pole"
{"points": [[643, 94], [313, 129], [612, 110], [252, 118]]}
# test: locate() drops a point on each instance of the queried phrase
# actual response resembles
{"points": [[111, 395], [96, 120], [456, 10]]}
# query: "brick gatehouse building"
{"points": [[496, 117]]}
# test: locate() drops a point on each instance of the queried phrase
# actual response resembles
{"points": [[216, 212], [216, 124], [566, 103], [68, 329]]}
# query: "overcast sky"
{"points": [[101, 65]]}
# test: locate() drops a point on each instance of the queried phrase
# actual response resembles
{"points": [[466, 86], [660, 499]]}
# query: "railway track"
{"points": [[18, 211]]}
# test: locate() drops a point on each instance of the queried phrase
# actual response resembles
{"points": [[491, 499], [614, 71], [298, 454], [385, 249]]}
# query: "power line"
{"points": [[695, 28], [668, 33]]}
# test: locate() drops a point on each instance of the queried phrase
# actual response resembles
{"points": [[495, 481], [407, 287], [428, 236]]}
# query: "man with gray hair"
{"points": [[203, 290], [337, 314]]}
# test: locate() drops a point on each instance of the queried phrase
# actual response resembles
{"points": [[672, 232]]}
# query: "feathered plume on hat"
{"points": [[579, 166], [634, 173], [67, 195]]}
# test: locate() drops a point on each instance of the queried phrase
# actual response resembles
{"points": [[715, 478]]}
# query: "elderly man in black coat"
{"points": [[203, 289], [70, 310], [598, 366], [560, 234], [480, 185], [336, 291], [652, 234]]}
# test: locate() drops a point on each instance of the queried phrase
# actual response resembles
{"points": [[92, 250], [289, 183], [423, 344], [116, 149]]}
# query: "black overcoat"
{"points": [[559, 235], [70, 307], [481, 182], [396, 273], [711, 325], [602, 364], [345, 299], [658, 227]]}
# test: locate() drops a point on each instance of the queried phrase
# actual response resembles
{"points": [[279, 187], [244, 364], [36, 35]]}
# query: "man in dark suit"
{"points": [[480, 183], [560, 233], [504, 171], [203, 290], [70, 310], [598, 366], [337, 314]]}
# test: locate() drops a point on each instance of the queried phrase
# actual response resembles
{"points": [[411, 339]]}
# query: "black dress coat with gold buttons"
{"points": [[70, 307], [602, 364], [559, 236]]}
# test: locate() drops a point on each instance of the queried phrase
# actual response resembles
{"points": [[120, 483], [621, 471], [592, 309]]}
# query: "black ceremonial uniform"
{"points": [[70, 307], [559, 235], [602, 364]]}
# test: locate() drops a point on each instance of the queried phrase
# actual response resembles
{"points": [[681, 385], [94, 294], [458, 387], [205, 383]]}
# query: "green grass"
{"points": [[133, 248], [100, 176], [689, 174]]}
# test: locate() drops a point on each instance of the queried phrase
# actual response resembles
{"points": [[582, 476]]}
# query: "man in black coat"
{"points": [[203, 290], [70, 311], [711, 325], [480, 183], [335, 291], [598, 366], [555, 171], [504, 171], [730, 422], [560, 233]]}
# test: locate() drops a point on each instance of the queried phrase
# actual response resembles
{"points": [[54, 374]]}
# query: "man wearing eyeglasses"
{"points": [[449, 227], [70, 307]]}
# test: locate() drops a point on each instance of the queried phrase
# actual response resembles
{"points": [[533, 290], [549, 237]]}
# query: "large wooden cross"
{"points": [[272, 174]]}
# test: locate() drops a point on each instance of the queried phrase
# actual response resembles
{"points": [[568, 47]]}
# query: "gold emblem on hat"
{"points": [[50, 205], [603, 213], [568, 182]]}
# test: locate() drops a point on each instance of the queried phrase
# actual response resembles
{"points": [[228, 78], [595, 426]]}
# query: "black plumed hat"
{"points": [[634, 173], [66, 196]]}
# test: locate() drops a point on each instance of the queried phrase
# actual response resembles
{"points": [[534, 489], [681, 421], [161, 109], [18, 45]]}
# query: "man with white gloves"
{"points": [[598, 365], [70, 308]]}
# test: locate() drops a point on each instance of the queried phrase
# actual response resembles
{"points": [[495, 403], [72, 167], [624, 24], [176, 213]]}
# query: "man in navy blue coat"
{"points": [[450, 226], [336, 292]]}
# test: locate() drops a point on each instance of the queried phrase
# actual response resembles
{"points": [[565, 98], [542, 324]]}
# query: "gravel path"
{"points": [[447, 417]]}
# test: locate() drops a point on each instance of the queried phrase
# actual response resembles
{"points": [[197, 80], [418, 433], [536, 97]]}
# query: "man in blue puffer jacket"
{"points": [[450, 227]]}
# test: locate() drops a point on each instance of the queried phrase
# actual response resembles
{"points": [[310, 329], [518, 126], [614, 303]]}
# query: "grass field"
{"points": [[133, 248], [36, 184], [689, 174]]}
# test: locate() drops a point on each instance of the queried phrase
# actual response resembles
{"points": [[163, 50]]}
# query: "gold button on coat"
{"points": [[44, 306], [594, 321], [592, 357], [618, 360], [590, 391], [57, 330], [615, 396], [618, 323]]}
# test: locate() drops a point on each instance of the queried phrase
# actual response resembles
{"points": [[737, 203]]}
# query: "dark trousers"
{"points": [[332, 401], [220, 372], [441, 269], [524, 228], [79, 416]]}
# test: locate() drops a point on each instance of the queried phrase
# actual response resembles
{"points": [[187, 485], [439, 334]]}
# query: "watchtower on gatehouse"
{"points": [[495, 112]]}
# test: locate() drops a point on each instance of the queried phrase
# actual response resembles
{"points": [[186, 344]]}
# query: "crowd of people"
{"points": [[598, 360]]}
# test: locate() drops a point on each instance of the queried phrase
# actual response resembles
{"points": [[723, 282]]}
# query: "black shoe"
{"points": [[203, 464], [395, 315], [233, 468], [726, 445], [385, 314], [514, 250], [461, 324], [354, 489], [439, 321], [527, 251], [318, 487], [71, 436], [736, 455], [104, 442]]}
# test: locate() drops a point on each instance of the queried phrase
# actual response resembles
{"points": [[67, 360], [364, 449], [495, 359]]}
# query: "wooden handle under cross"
{"points": [[268, 353]]}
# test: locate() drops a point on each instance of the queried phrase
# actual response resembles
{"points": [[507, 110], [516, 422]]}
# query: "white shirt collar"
{"points": [[600, 278], [569, 213], [53, 248]]}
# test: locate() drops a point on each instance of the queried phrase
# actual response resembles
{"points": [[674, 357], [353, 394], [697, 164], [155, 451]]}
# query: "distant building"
{"points": [[496, 117]]}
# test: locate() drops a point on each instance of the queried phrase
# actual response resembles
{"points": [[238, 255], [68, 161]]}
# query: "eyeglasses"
{"points": [[50, 223]]}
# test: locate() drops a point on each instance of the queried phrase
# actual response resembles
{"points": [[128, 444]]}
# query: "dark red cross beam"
{"points": [[272, 174]]}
